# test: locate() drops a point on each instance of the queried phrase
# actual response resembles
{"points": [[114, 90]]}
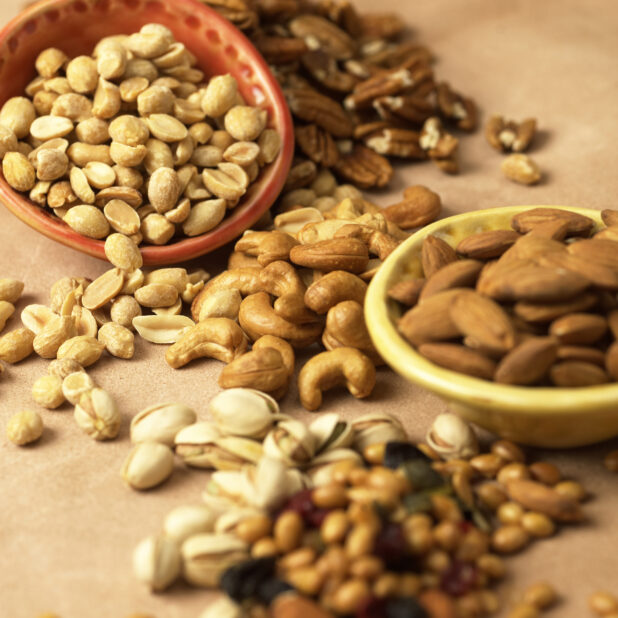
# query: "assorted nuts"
{"points": [[529, 307], [134, 147]]}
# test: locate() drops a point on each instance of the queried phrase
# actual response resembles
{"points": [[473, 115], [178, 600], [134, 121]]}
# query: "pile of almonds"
{"points": [[132, 140], [360, 94], [529, 306]]}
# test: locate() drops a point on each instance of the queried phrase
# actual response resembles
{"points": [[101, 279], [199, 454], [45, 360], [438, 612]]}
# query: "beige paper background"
{"points": [[68, 525]]}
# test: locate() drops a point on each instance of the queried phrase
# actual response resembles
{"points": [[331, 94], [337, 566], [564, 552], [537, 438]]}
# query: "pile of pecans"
{"points": [[343, 518], [132, 140], [360, 94], [535, 305]]}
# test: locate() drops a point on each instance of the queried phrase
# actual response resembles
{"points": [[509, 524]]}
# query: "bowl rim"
{"points": [[240, 219], [451, 385]]}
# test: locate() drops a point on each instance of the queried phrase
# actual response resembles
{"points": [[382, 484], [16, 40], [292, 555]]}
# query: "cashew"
{"points": [[334, 288], [346, 328], [221, 303], [348, 254], [257, 317], [280, 278], [245, 280], [378, 243], [351, 208], [219, 338], [263, 369], [321, 230], [267, 246], [282, 346], [291, 307], [241, 260], [346, 366]]}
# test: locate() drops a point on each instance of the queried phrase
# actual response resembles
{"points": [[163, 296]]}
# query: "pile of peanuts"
{"points": [[132, 140]]}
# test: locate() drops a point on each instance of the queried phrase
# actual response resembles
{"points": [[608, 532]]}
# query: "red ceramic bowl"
{"points": [[75, 26]]}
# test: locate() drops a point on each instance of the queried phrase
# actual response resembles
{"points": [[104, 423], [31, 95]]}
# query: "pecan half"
{"points": [[440, 145], [510, 135], [279, 49], [364, 168], [324, 69], [320, 33], [397, 143], [456, 107], [317, 144], [317, 108], [410, 108]]}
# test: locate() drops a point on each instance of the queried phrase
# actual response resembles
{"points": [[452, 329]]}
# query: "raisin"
{"points": [[242, 581]]}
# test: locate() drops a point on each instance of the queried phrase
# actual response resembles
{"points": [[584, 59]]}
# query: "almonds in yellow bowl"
{"points": [[509, 314]]}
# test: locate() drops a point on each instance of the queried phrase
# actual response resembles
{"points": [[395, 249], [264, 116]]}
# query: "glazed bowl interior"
{"points": [[540, 416], [75, 26]]}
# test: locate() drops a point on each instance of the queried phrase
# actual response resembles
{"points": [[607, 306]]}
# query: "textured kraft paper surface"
{"points": [[68, 524]]}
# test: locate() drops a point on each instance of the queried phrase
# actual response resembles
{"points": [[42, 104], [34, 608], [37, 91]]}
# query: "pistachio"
{"points": [[148, 465], [24, 427], [206, 556], [97, 415], [201, 445], [156, 562], [331, 432], [375, 429], [452, 437], [291, 441], [244, 412], [187, 520], [161, 423]]}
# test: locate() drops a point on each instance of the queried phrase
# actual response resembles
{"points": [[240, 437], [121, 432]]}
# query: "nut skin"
{"points": [[346, 366], [219, 338]]}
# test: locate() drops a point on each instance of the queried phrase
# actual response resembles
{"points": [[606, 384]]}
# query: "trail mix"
{"points": [[133, 140], [535, 305], [360, 91], [347, 518]]}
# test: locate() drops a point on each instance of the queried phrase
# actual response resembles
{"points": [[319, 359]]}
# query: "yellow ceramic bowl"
{"points": [[548, 417]]}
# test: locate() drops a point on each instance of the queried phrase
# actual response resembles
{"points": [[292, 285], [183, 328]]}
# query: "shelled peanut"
{"points": [[529, 306], [132, 140], [360, 93]]}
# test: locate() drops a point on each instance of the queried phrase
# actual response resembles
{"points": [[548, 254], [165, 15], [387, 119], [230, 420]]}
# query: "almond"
{"points": [[598, 274], [581, 353], [487, 245], [528, 362], [579, 225], [430, 320], [528, 281], [407, 292], [546, 312], [578, 328], [435, 254], [459, 358], [611, 361], [459, 274], [482, 319], [573, 373], [598, 251], [610, 217]]}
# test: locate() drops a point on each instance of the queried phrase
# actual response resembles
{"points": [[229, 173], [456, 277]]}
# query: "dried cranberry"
{"points": [[465, 526], [405, 607], [271, 588], [302, 504], [390, 545], [372, 607], [460, 578]]}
